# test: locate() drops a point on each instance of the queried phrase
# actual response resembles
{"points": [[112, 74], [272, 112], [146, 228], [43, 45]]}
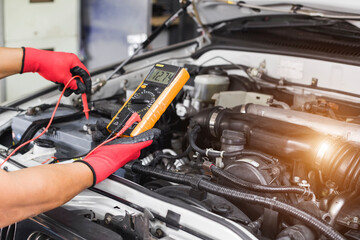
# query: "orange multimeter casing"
{"points": [[150, 99]]}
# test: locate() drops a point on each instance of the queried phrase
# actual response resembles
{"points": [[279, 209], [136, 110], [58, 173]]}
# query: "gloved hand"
{"points": [[112, 156], [57, 67]]}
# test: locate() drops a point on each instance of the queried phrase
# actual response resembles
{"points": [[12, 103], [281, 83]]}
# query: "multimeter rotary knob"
{"points": [[141, 101], [150, 99]]}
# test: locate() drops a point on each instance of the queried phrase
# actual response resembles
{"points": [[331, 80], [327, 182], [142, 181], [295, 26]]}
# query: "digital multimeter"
{"points": [[150, 99]]}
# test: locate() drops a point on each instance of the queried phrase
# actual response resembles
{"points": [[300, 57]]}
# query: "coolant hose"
{"points": [[203, 184], [253, 186], [193, 135]]}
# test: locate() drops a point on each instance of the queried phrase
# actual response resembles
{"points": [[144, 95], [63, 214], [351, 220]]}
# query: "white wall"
{"points": [[2, 83], [49, 25]]}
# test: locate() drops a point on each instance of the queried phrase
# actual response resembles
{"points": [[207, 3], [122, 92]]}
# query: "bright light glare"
{"points": [[324, 147]]}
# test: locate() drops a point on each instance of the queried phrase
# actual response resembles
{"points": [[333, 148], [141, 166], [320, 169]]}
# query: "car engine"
{"points": [[279, 158]]}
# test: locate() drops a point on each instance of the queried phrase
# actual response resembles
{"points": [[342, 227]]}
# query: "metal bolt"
{"points": [[263, 64], [159, 233], [307, 106], [275, 171], [31, 111], [107, 219], [270, 100], [281, 81], [85, 127], [296, 179], [314, 82], [331, 184]]}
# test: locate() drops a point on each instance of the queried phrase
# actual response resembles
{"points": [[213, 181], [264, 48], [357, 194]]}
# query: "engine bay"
{"points": [[277, 157]]}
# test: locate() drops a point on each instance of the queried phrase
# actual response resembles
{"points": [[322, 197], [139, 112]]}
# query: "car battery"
{"points": [[72, 137]]}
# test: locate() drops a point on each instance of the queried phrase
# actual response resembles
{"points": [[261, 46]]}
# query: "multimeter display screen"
{"points": [[150, 99], [160, 76]]}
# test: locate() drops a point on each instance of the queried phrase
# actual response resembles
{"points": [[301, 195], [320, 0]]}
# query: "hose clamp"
{"points": [[208, 150], [212, 121], [308, 193], [306, 186]]}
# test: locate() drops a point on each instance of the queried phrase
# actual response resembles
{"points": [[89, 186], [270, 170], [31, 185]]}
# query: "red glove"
{"points": [[112, 156], [57, 67]]}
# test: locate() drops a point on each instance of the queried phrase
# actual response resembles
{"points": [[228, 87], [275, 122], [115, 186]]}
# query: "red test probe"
{"points": [[133, 119], [84, 100]]}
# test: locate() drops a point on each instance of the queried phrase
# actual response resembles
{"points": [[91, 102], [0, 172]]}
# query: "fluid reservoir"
{"points": [[208, 84]]}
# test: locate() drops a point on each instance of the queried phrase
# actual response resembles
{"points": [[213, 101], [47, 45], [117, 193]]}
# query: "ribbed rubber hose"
{"points": [[253, 186], [198, 180], [310, 220]]}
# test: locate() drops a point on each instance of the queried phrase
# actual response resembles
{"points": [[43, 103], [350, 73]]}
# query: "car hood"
{"points": [[211, 12]]}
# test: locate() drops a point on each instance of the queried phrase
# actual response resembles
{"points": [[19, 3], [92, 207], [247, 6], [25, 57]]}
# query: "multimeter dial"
{"points": [[150, 99], [141, 101]]}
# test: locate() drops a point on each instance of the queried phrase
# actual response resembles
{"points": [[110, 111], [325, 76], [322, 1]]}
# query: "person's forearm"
{"points": [[10, 61], [30, 191]]}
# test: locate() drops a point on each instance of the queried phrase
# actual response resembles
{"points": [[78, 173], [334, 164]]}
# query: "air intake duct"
{"points": [[337, 160]]}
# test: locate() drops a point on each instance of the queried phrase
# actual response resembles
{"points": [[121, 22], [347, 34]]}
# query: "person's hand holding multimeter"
{"points": [[150, 99]]}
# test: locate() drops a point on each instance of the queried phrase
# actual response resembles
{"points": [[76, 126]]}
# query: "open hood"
{"points": [[212, 11]]}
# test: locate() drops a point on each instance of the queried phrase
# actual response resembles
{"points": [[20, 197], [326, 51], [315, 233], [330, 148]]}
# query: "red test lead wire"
{"points": [[51, 119], [85, 103]]}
